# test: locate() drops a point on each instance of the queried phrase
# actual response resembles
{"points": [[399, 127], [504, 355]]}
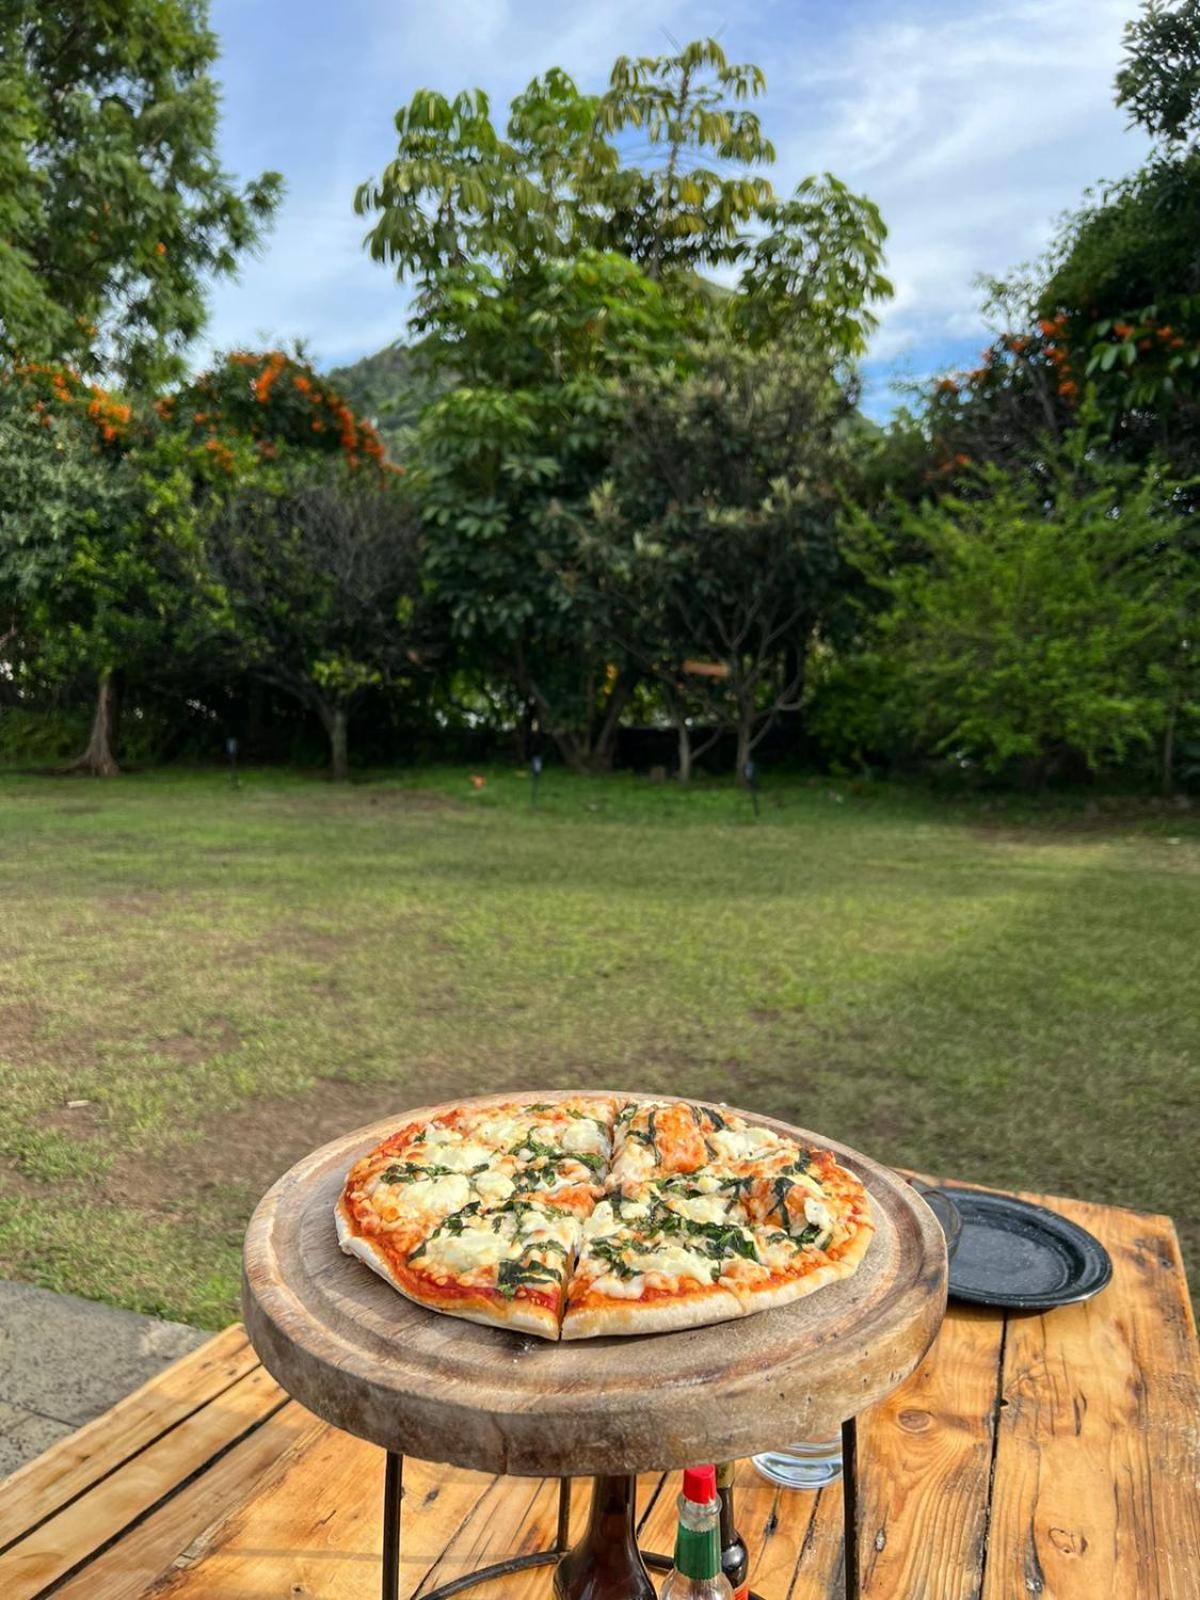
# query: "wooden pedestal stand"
{"points": [[356, 1353]]}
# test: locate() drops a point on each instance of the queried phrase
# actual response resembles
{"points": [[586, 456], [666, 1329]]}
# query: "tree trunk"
{"points": [[335, 725], [99, 758], [1168, 756], [583, 754], [683, 733], [745, 732]]}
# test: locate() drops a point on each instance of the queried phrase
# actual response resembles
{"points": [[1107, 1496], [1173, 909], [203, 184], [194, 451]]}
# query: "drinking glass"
{"points": [[810, 1464]]}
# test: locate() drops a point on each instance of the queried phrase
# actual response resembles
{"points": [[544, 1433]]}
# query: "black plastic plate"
{"points": [[1022, 1257]]}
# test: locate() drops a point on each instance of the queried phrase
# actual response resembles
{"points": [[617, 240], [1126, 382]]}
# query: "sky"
{"points": [[973, 124]]}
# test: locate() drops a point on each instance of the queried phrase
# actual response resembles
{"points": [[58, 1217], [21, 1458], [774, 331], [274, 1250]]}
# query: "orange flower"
{"points": [[302, 383], [1122, 330], [1068, 387], [160, 248], [1047, 326]]}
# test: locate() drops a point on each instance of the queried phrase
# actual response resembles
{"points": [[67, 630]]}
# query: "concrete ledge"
{"points": [[64, 1360]]}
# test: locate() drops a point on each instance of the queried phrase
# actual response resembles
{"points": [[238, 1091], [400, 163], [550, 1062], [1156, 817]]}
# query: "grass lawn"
{"points": [[199, 983]]}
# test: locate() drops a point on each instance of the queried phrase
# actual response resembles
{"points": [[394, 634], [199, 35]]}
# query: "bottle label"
{"points": [[698, 1555], [742, 1592]]}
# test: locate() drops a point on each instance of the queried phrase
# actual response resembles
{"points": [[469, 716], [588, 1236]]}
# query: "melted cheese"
{"points": [[493, 1188], [673, 1261], [739, 1144], [817, 1213], [504, 1131], [462, 1157], [699, 1208], [618, 1288], [438, 1196], [778, 1252], [467, 1251], [601, 1222], [537, 1228], [584, 1137]]}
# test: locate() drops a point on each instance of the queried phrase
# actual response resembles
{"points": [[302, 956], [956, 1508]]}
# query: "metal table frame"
{"points": [[393, 1499]]}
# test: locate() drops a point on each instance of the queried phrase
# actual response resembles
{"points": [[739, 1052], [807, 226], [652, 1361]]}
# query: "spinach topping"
{"points": [[514, 1275], [714, 1239], [781, 1188], [412, 1172], [647, 1136], [456, 1222], [536, 1148], [610, 1253]]}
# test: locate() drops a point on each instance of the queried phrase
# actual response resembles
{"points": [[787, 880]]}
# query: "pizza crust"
{"points": [[615, 1317]]}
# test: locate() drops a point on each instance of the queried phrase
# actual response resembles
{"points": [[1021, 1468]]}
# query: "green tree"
{"points": [[1047, 615], [715, 533], [100, 562], [505, 461], [319, 573], [549, 263], [1159, 80], [114, 212]]}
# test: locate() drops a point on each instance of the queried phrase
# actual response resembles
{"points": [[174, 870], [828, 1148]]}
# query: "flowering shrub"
{"points": [[53, 390], [275, 400]]}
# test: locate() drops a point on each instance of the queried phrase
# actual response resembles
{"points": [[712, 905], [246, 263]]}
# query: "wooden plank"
{"points": [[314, 1526], [41, 1487], [513, 1517], [925, 1457], [821, 1573], [1098, 1449], [153, 1548], [56, 1546]]}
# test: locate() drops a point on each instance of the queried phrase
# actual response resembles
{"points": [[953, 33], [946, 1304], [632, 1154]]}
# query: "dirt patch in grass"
{"points": [[78, 1122], [143, 903], [21, 1024], [237, 1156], [193, 1049]]}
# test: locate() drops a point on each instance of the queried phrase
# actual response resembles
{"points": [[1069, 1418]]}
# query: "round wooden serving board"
{"points": [[347, 1346]]}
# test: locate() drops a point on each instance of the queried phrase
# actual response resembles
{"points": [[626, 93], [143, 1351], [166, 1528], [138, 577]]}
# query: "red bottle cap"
{"points": [[700, 1484]]}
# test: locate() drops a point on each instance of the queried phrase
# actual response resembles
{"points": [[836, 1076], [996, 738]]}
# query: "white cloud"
{"points": [[973, 123], [973, 131]]}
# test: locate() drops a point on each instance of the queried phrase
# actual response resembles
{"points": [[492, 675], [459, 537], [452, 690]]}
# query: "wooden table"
{"points": [[1051, 1455]]}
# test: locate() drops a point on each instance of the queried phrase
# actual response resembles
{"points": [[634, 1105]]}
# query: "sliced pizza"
{"points": [[584, 1216], [645, 1268]]}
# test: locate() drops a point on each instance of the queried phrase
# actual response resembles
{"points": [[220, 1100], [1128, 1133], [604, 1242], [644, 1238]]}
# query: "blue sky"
{"points": [[972, 123]]}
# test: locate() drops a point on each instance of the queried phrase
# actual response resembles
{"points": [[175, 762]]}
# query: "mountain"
{"points": [[387, 388]]}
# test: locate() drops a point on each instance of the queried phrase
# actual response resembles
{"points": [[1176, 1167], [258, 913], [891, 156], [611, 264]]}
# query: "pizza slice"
{"points": [[656, 1257], [506, 1265]]}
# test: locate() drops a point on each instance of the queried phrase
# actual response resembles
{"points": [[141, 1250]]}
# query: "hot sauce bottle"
{"points": [[735, 1558], [697, 1573]]}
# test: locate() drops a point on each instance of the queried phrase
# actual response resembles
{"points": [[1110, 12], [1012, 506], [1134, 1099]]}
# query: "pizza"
{"points": [[592, 1215]]}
